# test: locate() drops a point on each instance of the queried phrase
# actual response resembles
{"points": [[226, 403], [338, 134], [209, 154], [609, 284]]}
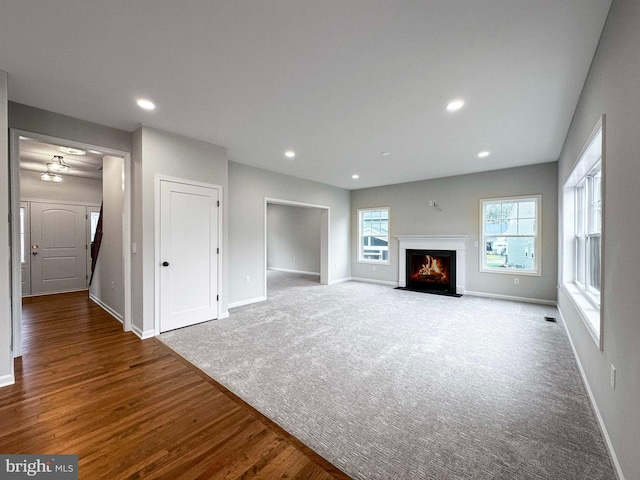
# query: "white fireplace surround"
{"points": [[432, 242]]}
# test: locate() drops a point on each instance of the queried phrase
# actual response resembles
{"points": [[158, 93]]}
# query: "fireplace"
{"points": [[437, 244], [431, 271]]}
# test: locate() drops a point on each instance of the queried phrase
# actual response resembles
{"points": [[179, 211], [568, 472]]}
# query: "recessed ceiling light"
{"points": [[95, 152], [71, 151], [385, 154], [289, 154], [484, 154], [454, 105], [146, 104], [355, 177]]}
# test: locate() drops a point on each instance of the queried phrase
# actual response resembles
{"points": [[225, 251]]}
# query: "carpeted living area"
{"points": [[391, 384]]}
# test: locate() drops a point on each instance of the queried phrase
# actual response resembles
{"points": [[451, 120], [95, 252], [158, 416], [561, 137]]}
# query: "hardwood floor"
{"points": [[134, 409]]}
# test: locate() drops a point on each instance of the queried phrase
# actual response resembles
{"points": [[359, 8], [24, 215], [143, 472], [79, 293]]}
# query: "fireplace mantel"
{"points": [[433, 242]]}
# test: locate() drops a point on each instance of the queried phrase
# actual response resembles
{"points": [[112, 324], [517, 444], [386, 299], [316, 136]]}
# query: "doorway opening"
{"points": [[296, 239], [50, 241]]}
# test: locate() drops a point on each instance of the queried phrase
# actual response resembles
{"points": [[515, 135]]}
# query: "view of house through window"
{"points": [[510, 233], [373, 235]]}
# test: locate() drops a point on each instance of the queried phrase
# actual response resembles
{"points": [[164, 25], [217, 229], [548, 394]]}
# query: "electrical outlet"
{"points": [[294, 259], [113, 285], [247, 279], [612, 379], [374, 268], [516, 281], [475, 244], [431, 203]]}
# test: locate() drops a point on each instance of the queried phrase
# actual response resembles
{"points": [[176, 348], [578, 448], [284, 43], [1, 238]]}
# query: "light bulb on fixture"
{"points": [[57, 164]]}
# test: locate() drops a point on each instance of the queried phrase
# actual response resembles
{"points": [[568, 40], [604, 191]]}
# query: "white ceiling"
{"points": [[338, 81]]}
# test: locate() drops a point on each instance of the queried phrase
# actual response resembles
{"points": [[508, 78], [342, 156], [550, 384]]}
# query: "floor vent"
{"points": [[550, 319]]}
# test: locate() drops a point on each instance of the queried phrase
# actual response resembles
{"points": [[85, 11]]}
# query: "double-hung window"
{"points": [[582, 231], [588, 232], [373, 235], [511, 235]]}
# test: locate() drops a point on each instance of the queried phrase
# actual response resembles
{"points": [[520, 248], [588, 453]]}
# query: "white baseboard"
{"points": [[592, 399], [8, 379], [223, 315], [143, 335], [303, 272], [340, 280], [511, 297], [371, 280], [106, 308], [249, 301]]}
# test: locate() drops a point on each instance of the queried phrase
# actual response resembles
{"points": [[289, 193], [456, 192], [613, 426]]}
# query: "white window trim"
{"points": [[359, 239], [538, 235], [584, 303]]}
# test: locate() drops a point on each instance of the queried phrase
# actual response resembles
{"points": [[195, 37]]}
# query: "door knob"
{"points": [[165, 264]]}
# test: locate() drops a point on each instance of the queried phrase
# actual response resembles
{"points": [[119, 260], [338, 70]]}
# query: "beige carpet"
{"points": [[390, 384]]}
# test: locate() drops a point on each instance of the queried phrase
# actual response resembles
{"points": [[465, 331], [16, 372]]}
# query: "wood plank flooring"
{"points": [[134, 409]]}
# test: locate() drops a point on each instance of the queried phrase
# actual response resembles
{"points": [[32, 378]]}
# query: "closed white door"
{"points": [[188, 254], [58, 248]]}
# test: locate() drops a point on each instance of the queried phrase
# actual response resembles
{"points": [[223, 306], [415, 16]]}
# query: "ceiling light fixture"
{"points": [[146, 104], [355, 177], [385, 154], [454, 105], [50, 176], [57, 164], [484, 154], [71, 151], [289, 154]]}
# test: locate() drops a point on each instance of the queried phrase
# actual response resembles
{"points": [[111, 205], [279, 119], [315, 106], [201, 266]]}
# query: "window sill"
{"points": [[589, 312], [373, 262], [511, 271]]}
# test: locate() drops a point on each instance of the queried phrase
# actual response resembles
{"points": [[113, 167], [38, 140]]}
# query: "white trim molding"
{"points": [[248, 301], [106, 308], [538, 301], [372, 280], [143, 335], [432, 242], [287, 270], [6, 380], [592, 399]]}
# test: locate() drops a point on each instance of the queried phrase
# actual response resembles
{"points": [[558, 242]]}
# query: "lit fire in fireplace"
{"points": [[432, 270]]}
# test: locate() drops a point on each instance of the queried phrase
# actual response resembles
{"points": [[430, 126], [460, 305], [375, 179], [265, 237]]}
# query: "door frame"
{"points": [[14, 193], [156, 253], [325, 222]]}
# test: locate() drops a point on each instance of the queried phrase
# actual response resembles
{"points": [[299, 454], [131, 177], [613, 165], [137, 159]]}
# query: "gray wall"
{"points": [[72, 189], [459, 200], [293, 238], [6, 356], [612, 89], [248, 187], [36, 120], [156, 152], [108, 279]]}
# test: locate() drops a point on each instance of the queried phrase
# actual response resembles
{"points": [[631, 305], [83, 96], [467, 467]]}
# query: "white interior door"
{"points": [[188, 254], [58, 248]]}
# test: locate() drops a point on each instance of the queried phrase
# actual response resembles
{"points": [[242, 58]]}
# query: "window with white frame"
{"points": [[588, 232], [582, 231], [510, 234], [373, 235]]}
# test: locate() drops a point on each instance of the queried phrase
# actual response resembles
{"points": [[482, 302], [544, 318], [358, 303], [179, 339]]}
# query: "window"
{"points": [[581, 248], [373, 235], [510, 235], [588, 230]]}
